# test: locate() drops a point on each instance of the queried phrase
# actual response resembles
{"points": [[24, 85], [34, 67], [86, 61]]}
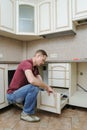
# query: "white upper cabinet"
{"points": [[26, 17], [79, 8], [7, 15], [63, 16], [54, 16], [45, 16], [38, 17]]}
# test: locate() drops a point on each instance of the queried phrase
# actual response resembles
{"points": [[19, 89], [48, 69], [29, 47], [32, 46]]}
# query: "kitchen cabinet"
{"points": [[45, 16], [6, 73], [78, 93], [55, 16], [64, 76], [32, 19], [79, 9], [26, 23], [3, 85], [59, 75], [7, 15], [63, 16]]}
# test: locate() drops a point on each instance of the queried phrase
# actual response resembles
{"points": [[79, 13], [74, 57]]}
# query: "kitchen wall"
{"points": [[59, 48], [11, 49], [64, 47]]}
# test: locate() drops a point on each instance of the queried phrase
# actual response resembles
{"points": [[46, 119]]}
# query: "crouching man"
{"points": [[26, 84]]}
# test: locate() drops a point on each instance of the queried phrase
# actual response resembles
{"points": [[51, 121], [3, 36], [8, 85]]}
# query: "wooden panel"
{"points": [[7, 15], [59, 74], [63, 15], [79, 9], [45, 17], [53, 103], [2, 85]]}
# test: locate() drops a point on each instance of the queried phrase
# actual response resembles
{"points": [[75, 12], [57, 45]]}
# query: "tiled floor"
{"points": [[70, 119]]}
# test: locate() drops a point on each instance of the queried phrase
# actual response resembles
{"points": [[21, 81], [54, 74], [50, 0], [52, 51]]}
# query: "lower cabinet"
{"points": [[78, 93], [4, 78], [64, 72], [3, 85]]}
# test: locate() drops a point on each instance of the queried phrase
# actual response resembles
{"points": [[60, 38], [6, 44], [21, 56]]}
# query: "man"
{"points": [[26, 84]]}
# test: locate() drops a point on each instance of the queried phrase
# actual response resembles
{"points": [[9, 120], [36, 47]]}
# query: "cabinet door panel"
{"points": [[62, 15], [47, 100], [45, 17], [26, 18], [81, 6], [58, 66], [58, 74], [7, 15], [44, 13], [2, 85], [79, 10], [48, 103], [58, 82]]}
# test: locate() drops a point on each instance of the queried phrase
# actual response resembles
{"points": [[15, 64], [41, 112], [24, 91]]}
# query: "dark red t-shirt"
{"points": [[19, 79]]}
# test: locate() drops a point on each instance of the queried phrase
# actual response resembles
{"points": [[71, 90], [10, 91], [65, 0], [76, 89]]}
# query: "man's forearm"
{"points": [[39, 83]]}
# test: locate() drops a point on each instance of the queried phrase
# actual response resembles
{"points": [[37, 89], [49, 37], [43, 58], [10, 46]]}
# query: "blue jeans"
{"points": [[26, 94]]}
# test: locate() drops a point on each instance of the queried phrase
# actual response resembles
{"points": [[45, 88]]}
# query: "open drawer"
{"points": [[53, 103]]}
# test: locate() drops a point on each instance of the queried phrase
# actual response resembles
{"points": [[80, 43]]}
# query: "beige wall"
{"points": [[65, 47], [10, 49]]}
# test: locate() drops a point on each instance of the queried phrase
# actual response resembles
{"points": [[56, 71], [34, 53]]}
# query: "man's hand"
{"points": [[49, 90]]}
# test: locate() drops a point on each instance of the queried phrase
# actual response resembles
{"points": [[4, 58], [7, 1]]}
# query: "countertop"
{"points": [[68, 61], [50, 61], [9, 62]]}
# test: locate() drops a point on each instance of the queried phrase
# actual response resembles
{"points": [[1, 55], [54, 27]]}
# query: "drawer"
{"points": [[59, 74], [58, 66], [59, 82], [53, 103]]}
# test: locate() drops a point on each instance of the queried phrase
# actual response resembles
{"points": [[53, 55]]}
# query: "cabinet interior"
{"points": [[77, 89]]}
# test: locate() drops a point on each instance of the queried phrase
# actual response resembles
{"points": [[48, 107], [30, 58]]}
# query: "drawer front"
{"points": [[58, 74], [59, 83], [53, 103], [58, 66]]}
